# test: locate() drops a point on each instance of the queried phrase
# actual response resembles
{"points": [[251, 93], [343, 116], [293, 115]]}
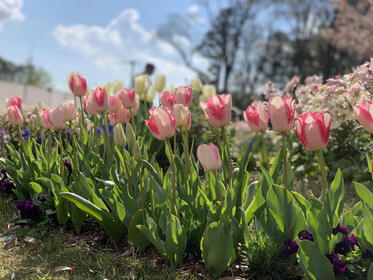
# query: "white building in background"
{"points": [[31, 95]]}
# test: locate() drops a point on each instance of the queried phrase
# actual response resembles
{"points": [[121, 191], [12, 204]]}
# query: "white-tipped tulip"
{"points": [[69, 112], [182, 117], [209, 157]]}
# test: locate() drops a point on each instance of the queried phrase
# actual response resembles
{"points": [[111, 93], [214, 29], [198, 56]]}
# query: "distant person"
{"points": [[149, 69]]}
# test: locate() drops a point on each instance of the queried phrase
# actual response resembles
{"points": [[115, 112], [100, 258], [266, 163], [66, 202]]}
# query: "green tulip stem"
{"points": [[285, 161], [187, 152], [82, 117], [173, 173], [324, 180], [226, 139], [129, 178], [95, 132], [73, 144], [264, 153], [132, 120], [49, 151], [107, 143], [217, 187], [62, 165], [23, 145]]}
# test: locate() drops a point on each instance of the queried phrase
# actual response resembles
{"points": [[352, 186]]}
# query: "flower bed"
{"points": [[136, 174]]}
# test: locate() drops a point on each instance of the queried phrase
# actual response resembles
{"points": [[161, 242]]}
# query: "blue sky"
{"points": [[94, 37]]}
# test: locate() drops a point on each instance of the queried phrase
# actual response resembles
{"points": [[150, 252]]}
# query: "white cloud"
{"points": [[10, 10], [194, 14], [123, 39]]}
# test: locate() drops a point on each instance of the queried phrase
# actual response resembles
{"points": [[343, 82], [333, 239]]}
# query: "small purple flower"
{"points": [[126, 147], [340, 229], [40, 139], [26, 134], [305, 235], [69, 136], [29, 210], [338, 264], [290, 248], [3, 171], [98, 131], [68, 166], [110, 129]]}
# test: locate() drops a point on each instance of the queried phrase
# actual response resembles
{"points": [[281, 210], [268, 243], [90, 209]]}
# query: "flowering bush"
{"points": [[197, 202]]}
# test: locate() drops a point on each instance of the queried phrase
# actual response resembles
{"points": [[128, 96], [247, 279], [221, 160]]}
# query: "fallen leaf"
{"points": [[30, 250], [128, 252], [10, 244], [64, 268], [30, 240]]}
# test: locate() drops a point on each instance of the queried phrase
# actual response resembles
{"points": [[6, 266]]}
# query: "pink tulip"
{"points": [[281, 113], [209, 157], [89, 105], [15, 101], [218, 110], [183, 95], [127, 96], [100, 100], [364, 114], [77, 84], [45, 118], [256, 116], [122, 116], [114, 104], [56, 118], [14, 115], [68, 110], [161, 123], [313, 130], [182, 117], [167, 99]]}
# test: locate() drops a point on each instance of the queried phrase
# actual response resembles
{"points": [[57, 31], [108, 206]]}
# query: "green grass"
{"points": [[57, 246]]}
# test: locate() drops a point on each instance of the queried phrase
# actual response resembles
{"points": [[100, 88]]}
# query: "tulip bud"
{"points": [[183, 95], [119, 137], [208, 91], [15, 101], [196, 85], [161, 123], [149, 95], [140, 85], [45, 118], [77, 84], [209, 157], [68, 110], [56, 118], [114, 104], [128, 98], [14, 115], [256, 116], [217, 110], [130, 135], [182, 117], [136, 153], [167, 99], [364, 114], [160, 82], [313, 130], [281, 113]]}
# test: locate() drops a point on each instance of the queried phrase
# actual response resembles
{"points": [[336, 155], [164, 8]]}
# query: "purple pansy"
{"points": [[339, 265], [29, 210], [290, 248], [340, 229], [305, 235]]}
